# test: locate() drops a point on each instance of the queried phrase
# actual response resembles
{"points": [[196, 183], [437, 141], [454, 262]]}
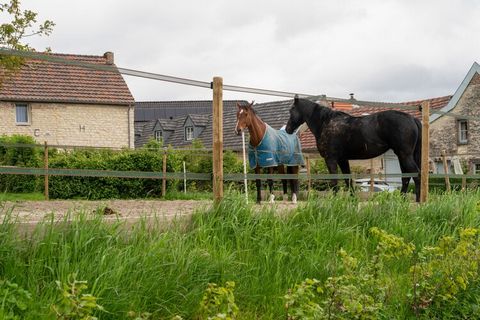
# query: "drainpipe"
{"points": [[129, 128]]}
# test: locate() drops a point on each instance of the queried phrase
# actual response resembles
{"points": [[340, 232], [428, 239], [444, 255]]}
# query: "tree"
{"points": [[22, 24]]}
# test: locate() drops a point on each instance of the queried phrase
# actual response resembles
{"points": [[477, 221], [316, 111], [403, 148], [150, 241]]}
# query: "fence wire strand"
{"points": [[207, 84]]}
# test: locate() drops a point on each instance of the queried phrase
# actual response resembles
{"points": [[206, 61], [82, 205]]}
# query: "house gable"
{"points": [[474, 70]]}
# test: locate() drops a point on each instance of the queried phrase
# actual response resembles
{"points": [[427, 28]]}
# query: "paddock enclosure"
{"points": [[217, 176]]}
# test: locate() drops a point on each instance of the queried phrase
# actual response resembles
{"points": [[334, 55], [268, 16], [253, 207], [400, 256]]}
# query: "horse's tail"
{"points": [[417, 153]]}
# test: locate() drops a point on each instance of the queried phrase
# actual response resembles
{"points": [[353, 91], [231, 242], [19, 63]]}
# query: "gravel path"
{"points": [[35, 211], [132, 210]]}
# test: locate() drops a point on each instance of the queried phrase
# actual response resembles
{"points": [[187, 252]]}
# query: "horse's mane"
{"points": [[326, 112]]}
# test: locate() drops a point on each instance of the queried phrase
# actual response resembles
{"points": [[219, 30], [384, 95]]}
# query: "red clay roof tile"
{"points": [[46, 81]]}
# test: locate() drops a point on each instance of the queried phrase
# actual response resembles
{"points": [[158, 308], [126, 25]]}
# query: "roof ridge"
{"points": [[176, 101], [69, 55]]}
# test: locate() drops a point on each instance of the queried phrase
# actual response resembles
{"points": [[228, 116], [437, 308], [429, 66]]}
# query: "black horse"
{"points": [[341, 137]]}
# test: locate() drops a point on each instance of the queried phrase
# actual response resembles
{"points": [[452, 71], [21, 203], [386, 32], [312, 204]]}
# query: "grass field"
{"points": [[7, 196], [166, 272]]}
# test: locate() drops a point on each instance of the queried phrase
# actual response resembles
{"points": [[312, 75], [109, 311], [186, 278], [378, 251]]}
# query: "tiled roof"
{"points": [[167, 124], [47, 81], [140, 129], [177, 139], [200, 120], [152, 110]]}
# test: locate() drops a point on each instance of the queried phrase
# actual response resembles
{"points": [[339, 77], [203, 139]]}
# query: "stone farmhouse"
{"points": [[458, 133], [68, 105]]}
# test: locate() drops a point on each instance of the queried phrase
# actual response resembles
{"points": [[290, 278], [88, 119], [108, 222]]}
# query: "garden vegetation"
{"points": [[330, 258]]}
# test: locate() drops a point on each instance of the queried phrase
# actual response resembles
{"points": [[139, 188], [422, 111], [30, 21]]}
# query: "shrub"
{"points": [[218, 302], [14, 301], [21, 156], [73, 303]]}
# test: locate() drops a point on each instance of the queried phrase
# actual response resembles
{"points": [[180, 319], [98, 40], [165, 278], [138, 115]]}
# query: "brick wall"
{"points": [[70, 124], [444, 131]]}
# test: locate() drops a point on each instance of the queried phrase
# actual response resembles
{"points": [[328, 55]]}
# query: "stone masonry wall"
{"points": [[75, 125], [444, 131]]}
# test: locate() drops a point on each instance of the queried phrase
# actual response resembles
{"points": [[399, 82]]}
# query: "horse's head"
{"points": [[296, 117], [244, 117]]}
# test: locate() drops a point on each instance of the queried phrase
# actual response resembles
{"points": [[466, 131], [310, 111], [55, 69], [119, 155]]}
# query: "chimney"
{"points": [[109, 57]]}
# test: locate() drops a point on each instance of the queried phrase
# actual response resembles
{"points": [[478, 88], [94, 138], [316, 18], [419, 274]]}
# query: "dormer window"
{"points": [[188, 133], [158, 135]]}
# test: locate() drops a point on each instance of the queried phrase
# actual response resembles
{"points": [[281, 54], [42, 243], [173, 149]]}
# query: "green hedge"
{"points": [[148, 159], [12, 154]]}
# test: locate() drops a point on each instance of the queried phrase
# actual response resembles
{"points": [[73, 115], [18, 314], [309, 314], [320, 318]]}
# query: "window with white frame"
{"points": [[158, 135], [462, 131], [22, 114], [476, 168], [188, 133]]}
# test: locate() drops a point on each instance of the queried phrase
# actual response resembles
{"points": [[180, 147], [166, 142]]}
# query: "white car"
{"points": [[378, 185]]}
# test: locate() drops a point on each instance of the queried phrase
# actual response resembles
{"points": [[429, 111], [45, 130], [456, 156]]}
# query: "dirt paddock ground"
{"points": [[32, 212]]}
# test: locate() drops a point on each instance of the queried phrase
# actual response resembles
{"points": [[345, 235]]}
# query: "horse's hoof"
{"points": [[272, 198], [294, 198]]}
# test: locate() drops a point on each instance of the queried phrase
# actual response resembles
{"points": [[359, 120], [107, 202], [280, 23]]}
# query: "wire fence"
{"points": [[304, 175], [226, 87], [206, 152]]}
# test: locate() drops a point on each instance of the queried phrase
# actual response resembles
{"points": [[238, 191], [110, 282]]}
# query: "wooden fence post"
{"points": [[309, 177], [45, 162], [217, 86], [164, 170], [371, 177], [445, 170], [425, 151]]}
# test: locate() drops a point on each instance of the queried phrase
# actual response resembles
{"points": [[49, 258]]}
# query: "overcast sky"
{"points": [[384, 50]]}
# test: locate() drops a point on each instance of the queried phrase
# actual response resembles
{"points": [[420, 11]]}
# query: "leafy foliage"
{"points": [[445, 271], [12, 153], [14, 300], [358, 293], [22, 24], [218, 302], [73, 303]]}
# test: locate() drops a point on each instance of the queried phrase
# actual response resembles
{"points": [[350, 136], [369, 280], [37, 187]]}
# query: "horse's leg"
{"points": [[293, 182], [405, 180], [408, 165], [345, 167], [281, 170], [270, 185], [332, 169], [258, 182]]}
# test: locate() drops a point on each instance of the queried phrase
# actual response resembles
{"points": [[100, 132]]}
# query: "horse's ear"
{"points": [[295, 99], [238, 106], [251, 104]]}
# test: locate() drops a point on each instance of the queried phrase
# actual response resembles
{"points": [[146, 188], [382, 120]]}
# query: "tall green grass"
{"points": [[164, 271]]}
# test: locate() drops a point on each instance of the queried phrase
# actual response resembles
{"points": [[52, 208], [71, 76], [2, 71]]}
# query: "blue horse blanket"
{"points": [[277, 147]]}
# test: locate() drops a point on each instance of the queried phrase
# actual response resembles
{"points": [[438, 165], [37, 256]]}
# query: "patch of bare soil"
{"points": [[32, 212]]}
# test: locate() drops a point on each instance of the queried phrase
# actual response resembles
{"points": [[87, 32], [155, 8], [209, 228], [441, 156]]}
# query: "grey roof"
{"points": [[153, 110], [200, 120], [276, 114], [177, 139], [141, 132], [166, 124]]}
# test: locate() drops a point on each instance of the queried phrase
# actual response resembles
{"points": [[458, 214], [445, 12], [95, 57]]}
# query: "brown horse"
{"points": [[271, 149]]}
